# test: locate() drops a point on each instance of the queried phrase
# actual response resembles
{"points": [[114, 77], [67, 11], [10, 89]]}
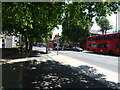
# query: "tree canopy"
{"points": [[78, 18], [104, 24], [31, 19], [35, 20]]}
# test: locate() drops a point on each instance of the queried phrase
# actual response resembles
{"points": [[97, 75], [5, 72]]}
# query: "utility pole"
{"points": [[57, 41], [57, 45]]}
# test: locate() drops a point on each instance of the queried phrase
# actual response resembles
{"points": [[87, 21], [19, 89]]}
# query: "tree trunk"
{"points": [[46, 46], [30, 43], [102, 32], [30, 46], [105, 32], [26, 44]]}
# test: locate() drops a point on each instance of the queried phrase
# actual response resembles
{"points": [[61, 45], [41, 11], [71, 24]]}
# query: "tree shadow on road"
{"points": [[50, 75], [92, 72]]}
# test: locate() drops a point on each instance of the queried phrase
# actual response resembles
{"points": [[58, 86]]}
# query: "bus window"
{"points": [[118, 45], [103, 45], [94, 45], [90, 39], [97, 38], [93, 38], [89, 45], [106, 37], [54, 44], [117, 36], [111, 36], [102, 37]]}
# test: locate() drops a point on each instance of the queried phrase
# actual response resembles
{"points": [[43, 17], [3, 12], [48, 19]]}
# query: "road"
{"points": [[103, 61], [104, 64]]}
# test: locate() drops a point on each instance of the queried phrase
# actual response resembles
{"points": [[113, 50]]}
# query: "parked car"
{"points": [[59, 48], [67, 48], [77, 49]]}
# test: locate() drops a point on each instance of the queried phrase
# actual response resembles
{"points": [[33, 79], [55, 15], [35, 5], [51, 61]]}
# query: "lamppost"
{"points": [[57, 44], [57, 41], [116, 22]]}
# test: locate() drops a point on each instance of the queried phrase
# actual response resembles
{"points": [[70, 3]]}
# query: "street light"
{"points": [[57, 45], [116, 22], [57, 41]]}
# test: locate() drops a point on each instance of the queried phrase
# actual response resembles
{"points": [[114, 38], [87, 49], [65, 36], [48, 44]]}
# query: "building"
{"points": [[8, 41], [96, 32]]}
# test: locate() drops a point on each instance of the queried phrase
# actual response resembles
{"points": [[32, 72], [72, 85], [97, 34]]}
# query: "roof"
{"points": [[104, 34], [97, 32], [51, 40]]}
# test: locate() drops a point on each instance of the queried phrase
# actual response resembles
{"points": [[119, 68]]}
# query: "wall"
{"points": [[0, 42], [8, 51], [8, 42]]}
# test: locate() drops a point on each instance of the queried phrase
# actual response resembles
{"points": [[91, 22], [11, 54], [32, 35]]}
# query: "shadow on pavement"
{"points": [[16, 56], [36, 53], [33, 53], [49, 75]]}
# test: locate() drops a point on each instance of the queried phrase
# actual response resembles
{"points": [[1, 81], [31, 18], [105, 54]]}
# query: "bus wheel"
{"points": [[111, 52]]}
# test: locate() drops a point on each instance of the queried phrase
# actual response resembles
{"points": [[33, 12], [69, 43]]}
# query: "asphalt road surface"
{"points": [[104, 61]]}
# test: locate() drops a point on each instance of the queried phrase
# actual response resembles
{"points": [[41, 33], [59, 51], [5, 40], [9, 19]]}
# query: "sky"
{"points": [[111, 18]]}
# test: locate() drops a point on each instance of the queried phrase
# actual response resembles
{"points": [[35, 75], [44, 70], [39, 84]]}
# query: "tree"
{"points": [[104, 24], [74, 33], [35, 20], [78, 18], [31, 20], [82, 13]]}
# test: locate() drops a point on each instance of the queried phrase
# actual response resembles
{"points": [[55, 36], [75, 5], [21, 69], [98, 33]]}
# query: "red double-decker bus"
{"points": [[107, 44], [51, 43]]}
